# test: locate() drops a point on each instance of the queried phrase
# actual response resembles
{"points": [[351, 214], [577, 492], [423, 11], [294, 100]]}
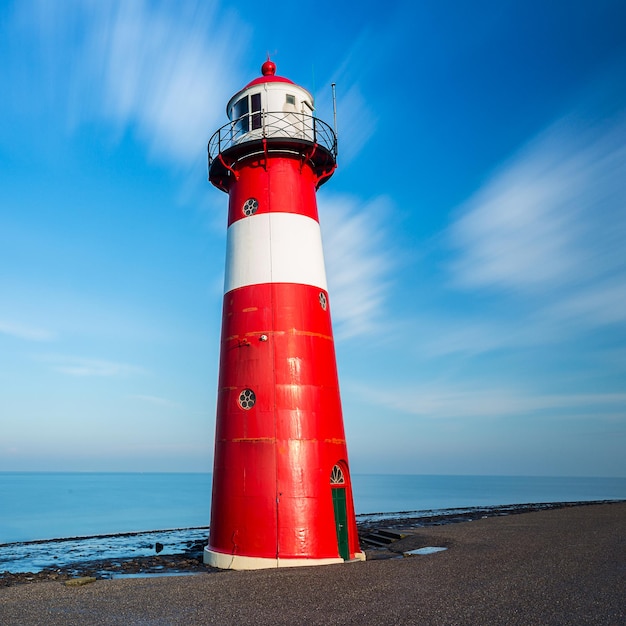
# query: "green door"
{"points": [[341, 521]]}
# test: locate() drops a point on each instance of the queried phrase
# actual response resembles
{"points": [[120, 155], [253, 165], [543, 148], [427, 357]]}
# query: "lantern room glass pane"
{"points": [[241, 117], [255, 101]]}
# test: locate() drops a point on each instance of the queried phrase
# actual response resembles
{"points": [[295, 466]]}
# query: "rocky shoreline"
{"points": [[189, 561]]}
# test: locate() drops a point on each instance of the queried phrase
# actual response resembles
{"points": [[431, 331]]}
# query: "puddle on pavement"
{"points": [[426, 550]]}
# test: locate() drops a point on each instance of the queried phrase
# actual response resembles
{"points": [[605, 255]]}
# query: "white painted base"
{"points": [[238, 562]]}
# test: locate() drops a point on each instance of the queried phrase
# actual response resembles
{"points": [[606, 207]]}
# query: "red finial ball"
{"points": [[268, 68]]}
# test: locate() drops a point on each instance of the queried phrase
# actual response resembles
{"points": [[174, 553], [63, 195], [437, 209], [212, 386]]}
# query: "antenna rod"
{"points": [[334, 110]]}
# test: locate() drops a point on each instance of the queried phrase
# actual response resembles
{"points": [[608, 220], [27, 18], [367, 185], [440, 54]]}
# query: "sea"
{"points": [[168, 507]]}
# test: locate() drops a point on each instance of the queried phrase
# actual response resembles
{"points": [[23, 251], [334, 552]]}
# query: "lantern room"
{"points": [[271, 115], [271, 104]]}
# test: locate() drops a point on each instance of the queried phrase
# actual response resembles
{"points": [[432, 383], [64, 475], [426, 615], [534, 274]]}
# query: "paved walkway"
{"points": [[566, 566]]}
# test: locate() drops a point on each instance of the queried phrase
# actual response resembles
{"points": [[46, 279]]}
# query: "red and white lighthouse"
{"points": [[281, 482]]}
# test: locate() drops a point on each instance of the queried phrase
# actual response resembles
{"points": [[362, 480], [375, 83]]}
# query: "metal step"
{"points": [[380, 538], [391, 534]]}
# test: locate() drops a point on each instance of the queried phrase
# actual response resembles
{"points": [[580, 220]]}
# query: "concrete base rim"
{"points": [[222, 560]]}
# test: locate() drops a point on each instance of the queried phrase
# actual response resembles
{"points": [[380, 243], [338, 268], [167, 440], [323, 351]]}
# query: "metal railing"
{"points": [[255, 126]]}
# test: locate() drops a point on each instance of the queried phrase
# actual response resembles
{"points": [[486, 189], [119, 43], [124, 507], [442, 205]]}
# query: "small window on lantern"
{"points": [[240, 112], [255, 101], [290, 99]]}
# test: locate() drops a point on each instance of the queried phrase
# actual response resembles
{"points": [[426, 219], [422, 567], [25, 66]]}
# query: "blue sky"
{"points": [[474, 231]]}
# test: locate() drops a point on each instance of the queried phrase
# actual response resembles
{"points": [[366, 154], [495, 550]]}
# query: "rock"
{"points": [[158, 547], [79, 582]]}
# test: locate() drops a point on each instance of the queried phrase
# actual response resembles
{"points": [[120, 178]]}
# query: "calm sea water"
{"points": [[37, 506]]}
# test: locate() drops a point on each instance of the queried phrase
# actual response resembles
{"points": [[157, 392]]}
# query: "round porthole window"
{"points": [[247, 399], [250, 206], [323, 300]]}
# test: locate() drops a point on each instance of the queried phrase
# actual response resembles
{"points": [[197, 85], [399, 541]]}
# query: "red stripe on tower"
{"points": [[281, 483]]}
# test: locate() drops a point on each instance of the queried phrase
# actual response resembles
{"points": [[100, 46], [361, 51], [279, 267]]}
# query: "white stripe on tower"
{"points": [[279, 248]]}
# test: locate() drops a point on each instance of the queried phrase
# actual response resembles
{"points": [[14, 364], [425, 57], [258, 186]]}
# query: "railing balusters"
{"points": [[274, 125]]}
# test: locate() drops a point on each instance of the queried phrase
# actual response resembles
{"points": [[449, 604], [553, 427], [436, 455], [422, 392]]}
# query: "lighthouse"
{"points": [[282, 492]]}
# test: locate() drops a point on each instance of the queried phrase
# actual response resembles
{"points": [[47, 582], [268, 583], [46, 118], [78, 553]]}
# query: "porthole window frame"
{"points": [[246, 399], [323, 298], [250, 207]]}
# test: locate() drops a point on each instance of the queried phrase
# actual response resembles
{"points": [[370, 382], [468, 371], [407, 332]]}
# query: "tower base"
{"points": [[222, 560]]}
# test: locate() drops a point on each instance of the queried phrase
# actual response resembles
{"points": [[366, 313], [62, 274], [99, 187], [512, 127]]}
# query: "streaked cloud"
{"points": [[550, 225], [156, 400], [79, 366], [356, 124], [446, 335], [356, 119], [161, 71], [357, 260], [23, 331], [454, 401]]}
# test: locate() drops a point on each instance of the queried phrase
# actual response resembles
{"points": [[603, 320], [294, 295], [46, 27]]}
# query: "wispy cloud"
{"points": [[356, 119], [156, 400], [356, 125], [358, 261], [159, 70], [436, 402], [23, 331], [79, 366], [550, 225], [445, 335]]}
